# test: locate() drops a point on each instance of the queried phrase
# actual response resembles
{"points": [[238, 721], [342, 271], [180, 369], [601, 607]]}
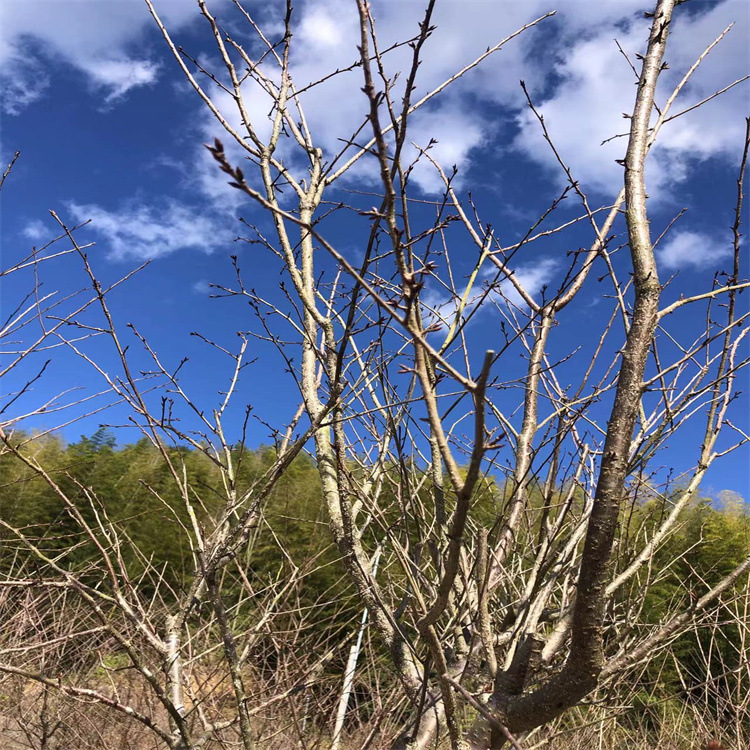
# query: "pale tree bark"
{"points": [[491, 494]]}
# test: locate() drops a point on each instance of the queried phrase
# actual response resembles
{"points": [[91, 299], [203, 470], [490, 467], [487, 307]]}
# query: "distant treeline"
{"points": [[134, 487]]}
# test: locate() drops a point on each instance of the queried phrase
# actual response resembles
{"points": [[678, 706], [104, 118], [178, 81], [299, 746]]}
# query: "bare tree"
{"points": [[74, 630], [495, 498]]}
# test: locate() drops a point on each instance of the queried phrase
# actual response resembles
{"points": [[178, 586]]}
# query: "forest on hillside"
{"points": [[419, 460], [290, 595]]}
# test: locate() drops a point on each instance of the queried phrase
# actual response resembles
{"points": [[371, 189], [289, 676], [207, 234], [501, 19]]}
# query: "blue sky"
{"points": [[110, 131]]}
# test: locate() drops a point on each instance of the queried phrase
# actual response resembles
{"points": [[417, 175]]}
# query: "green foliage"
{"points": [[132, 486], [711, 539]]}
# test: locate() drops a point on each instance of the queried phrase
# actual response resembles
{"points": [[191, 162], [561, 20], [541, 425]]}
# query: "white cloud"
{"points": [[35, 231], [455, 132], [23, 79], [585, 110], [692, 250], [201, 287], [117, 77], [455, 120], [716, 129], [598, 86], [103, 40], [146, 231], [593, 85], [532, 277], [441, 307], [320, 28], [326, 39]]}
